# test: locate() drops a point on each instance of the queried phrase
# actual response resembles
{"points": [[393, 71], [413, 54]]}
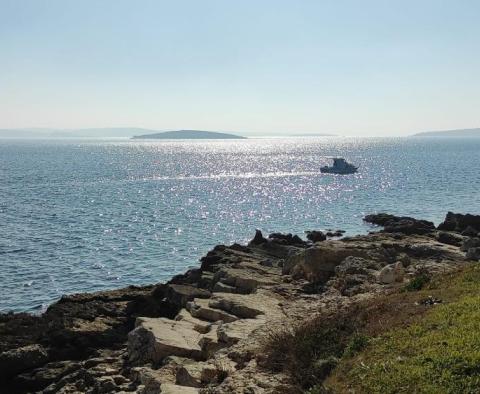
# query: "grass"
{"points": [[438, 353], [393, 344]]}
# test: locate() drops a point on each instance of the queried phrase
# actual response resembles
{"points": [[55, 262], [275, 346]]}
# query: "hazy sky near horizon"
{"points": [[346, 67]]}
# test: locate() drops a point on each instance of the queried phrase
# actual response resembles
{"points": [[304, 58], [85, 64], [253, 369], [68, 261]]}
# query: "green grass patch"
{"points": [[439, 353]]}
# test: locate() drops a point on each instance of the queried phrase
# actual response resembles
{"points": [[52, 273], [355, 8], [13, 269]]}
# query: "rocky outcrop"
{"points": [[400, 224], [202, 330], [449, 238], [470, 224], [316, 236], [14, 361]]}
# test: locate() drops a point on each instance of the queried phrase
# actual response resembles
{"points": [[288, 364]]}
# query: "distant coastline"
{"points": [[450, 133], [188, 134]]}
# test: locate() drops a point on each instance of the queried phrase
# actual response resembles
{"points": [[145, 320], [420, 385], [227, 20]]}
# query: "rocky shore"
{"points": [[203, 331]]}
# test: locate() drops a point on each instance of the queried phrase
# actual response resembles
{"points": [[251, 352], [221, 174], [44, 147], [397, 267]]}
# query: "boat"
{"points": [[340, 166]]}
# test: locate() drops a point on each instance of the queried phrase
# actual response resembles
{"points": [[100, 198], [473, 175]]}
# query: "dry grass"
{"points": [[311, 351]]}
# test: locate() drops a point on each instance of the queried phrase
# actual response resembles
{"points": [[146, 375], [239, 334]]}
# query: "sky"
{"points": [[256, 66]]}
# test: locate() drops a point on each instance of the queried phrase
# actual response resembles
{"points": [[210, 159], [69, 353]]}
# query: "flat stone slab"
{"points": [[243, 280], [231, 333], [168, 388], [201, 309], [181, 294], [245, 306], [153, 339], [201, 326]]}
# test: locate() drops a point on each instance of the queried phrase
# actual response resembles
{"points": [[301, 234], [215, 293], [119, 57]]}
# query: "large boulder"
{"points": [[317, 264], [154, 339], [21, 359], [459, 222], [449, 238], [400, 224], [316, 236], [179, 295]]}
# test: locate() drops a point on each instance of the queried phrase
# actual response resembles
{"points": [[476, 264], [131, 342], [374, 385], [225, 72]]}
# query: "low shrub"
{"points": [[357, 343], [310, 351], [417, 283]]}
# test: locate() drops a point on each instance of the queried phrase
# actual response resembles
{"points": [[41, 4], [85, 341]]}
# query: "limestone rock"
{"points": [[242, 280], [210, 343], [181, 294], [238, 306], [196, 374], [168, 388], [199, 325], [221, 287], [317, 263], [201, 309], [153, 339], [150, 380], [391, 273], [231, 333]]}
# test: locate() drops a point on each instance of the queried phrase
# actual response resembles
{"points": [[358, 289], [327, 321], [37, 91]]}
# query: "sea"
{"points": [[90, 215]]}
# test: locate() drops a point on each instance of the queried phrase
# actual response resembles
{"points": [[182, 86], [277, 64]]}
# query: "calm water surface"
{"points": [[91, 215]]}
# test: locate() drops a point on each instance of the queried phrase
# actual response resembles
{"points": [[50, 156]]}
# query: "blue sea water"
{"points": [[90, 215]]}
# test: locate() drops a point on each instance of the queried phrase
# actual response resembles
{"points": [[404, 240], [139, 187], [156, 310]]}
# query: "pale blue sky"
{"points": [[347, 67]]}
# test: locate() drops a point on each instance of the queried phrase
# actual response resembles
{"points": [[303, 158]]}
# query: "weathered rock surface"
{"points": [[449, 238], [154, 339], [20, 359], [202, 330], [458, 222], [316, 236], [400, 224], [391, 273]]}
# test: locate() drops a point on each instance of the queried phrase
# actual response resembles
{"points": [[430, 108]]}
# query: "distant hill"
{"points": [[188, 134], [450, 133], [107, 132]]}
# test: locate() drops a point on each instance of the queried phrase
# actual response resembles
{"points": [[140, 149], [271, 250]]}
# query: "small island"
{"points": [[188, 134]]}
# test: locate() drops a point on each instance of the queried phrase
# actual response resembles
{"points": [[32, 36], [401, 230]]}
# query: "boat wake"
{"points": [[247, 175]]}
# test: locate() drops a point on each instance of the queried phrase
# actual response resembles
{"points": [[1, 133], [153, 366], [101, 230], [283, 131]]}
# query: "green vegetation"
{"points": [[417, 283], [393, 344], [356, 344], [309, 352], [439, 353]]}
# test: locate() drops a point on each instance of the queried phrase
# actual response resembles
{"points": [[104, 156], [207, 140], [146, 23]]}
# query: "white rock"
{"points": [[391, 273], [168, 388], [156, 338]]}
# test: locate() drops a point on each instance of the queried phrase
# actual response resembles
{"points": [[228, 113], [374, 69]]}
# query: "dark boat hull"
{"points": [[332, 170]]}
